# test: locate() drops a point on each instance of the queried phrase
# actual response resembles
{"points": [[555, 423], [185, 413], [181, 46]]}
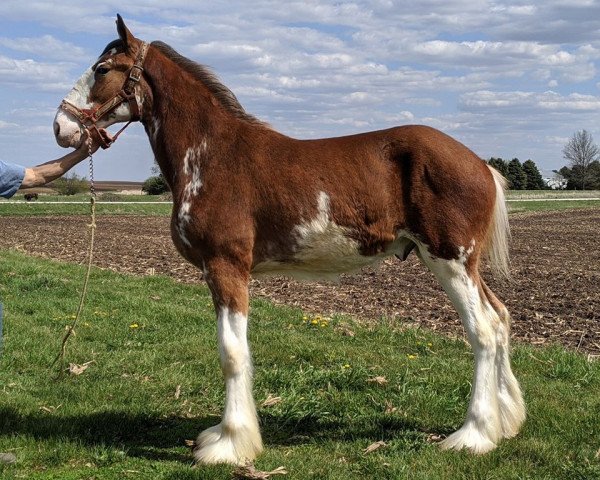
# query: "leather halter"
{"points": [[88, 117]]}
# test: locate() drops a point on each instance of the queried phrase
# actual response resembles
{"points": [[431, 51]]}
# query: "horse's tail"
{"points": [[499, 230]]}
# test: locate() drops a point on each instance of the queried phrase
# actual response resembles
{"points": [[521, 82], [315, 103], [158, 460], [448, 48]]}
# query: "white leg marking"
{"points": [[510, 399], [237, 438], [482, 427]]}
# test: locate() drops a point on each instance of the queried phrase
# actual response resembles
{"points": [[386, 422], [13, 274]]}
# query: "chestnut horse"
{"points": [[248, 200]]}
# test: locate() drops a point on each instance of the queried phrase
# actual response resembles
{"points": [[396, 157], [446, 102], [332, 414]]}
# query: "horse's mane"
{"points": [[202, 73]]}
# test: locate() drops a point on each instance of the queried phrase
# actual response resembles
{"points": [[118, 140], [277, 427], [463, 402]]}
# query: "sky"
{"points": [[507, 79]]}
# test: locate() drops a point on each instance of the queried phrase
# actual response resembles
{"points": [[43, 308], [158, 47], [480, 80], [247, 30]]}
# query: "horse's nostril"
{"points": [[56, 129]]}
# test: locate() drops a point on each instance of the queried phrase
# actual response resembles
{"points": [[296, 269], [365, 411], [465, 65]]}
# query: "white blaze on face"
{"points": [[67, 128]]}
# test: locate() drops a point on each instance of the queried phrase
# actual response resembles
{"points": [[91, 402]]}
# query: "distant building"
{"points": [[555, 181]]}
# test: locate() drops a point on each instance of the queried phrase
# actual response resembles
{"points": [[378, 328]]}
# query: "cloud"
{"points": [[46, 46], [4, 124], [531, 102], [30, 74]]}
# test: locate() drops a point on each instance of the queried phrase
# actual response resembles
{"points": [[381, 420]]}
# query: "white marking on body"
{"points": [[154, 129], [325, 249], [182, 235], [192, 171], [465, 253], [237, 438]]}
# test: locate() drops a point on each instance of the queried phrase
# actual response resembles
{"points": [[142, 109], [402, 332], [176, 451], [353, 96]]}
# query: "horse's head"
{"points": [[108, 92]]}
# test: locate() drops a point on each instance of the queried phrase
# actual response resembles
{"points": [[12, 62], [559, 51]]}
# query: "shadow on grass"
{"points": [[154, 438]]}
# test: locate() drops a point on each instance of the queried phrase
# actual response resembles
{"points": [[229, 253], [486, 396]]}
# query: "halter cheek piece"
{"points": [[88, 117]]}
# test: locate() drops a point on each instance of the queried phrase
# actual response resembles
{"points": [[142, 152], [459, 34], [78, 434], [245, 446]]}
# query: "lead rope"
{"points": [[60, 358]]}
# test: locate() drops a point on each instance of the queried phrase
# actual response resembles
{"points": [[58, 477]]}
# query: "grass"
{"points": [[557, 194], [146, 336], [548, 200], [106, 205], [548, 205]]}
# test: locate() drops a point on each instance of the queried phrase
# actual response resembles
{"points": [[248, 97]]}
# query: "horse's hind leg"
{"points": [[510, 399], [496, 409]]}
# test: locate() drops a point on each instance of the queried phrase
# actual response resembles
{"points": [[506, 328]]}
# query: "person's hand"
{"points": [[85, 149]]}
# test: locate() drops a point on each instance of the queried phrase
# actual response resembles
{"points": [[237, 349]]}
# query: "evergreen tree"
{"points": [[516, 176], [594, 172], [534, 177]]}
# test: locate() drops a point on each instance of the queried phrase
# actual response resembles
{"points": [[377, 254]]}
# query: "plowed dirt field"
{"points": [[554, 295]]}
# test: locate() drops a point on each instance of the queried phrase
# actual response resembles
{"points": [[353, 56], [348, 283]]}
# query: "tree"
{"points": [[573, 180], [594, 172], [516, 176], [155, 185], [70, 184], [534, 177], [581, 151], [499, 165]]}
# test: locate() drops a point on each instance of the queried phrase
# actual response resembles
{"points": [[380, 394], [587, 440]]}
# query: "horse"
{"points": [[249, 201]]}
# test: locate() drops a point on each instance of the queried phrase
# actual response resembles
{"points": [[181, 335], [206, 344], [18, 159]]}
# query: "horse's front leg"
{"points": [[237, 438]]}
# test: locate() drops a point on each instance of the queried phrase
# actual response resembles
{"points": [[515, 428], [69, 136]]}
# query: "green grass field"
{"points": [[150, 337], [519, 201], [136, 205], [548, 205], [558, 194]]}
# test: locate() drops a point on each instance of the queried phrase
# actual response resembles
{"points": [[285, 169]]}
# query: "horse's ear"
{"points": [[124, 33]]}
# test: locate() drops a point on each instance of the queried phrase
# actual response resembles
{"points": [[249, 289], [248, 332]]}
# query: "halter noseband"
{"points": [[88, 117]]}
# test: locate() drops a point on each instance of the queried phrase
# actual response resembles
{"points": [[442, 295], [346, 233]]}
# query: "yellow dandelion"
{"points": [[314, 321], [430, 344], [411, 357], [346, 366], [134, 325]]}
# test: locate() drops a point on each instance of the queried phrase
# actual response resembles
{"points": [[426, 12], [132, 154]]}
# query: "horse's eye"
{"points": [[101, 71]]}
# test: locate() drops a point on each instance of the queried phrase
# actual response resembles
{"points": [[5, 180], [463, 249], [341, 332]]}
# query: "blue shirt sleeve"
{"points": [[11, 178]]}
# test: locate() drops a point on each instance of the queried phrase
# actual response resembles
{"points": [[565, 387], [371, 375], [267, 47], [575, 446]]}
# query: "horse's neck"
{"points": [[183, 126]]}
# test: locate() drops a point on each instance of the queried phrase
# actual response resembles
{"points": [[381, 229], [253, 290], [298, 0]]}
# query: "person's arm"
{"points": [[46, 172]]}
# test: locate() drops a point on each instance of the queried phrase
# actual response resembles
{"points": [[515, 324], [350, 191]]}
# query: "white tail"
{"points": [[499, 232]]}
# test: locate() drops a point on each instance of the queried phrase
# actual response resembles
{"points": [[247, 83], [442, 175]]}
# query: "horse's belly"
{"points": [[325, 257], [322, 249], [323, 262]]}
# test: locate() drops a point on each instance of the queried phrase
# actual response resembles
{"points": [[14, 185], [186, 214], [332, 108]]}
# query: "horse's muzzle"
{"points": [[67, 131]]}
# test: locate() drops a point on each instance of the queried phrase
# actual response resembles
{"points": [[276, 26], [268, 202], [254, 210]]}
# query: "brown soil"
{"points": [[554, 295]]}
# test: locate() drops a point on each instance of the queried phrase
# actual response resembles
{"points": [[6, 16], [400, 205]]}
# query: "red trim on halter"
{"points": [[88, 117]]}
